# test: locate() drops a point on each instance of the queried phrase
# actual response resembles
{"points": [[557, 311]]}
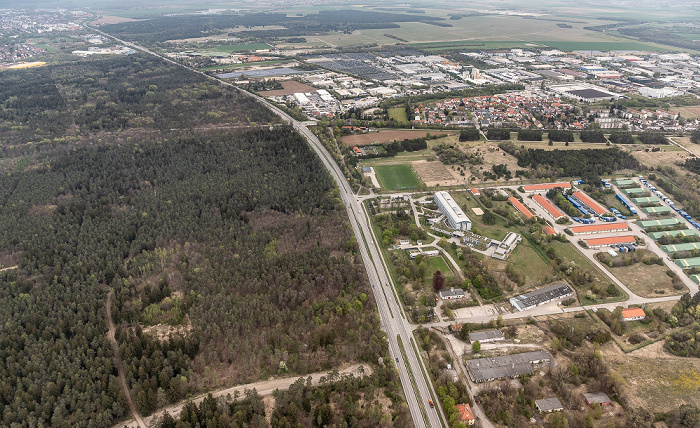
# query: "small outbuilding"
{"points": [[597, 398], [451, 294], [487, 336], [547, 405]]}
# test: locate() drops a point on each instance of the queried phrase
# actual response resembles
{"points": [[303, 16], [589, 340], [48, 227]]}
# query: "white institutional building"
{"points": [[456, 218]]}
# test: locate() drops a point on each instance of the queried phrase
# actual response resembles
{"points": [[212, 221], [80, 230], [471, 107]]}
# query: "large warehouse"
{"points": [[506, 366], [665, 222], [585, 92], [456, 218]]}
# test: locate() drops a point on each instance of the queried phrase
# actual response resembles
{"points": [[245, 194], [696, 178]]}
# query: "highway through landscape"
{"points": [[412, 372]]}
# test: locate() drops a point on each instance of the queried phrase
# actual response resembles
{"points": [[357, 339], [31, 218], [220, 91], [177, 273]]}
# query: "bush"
{"points": [[498, 134], [650, 137], [621, 138], [530, 135], [561, 135], [593, 136], [469, 134]]}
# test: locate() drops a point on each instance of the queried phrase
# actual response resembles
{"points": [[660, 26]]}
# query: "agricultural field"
{"points": [[435, 173], [397, 177], [687, 112]]}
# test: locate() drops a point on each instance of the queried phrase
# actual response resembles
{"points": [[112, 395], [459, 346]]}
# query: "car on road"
{"points": [[432, 405], [397, 360]]}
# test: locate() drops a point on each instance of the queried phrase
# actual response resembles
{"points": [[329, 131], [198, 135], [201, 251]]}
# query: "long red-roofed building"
{"points": [[546, 186], [600, 228], [612, 240], [595, 206], [548, 206], [520, 207]]}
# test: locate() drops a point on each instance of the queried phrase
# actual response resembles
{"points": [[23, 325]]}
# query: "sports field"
{"points": [[396, 177]]}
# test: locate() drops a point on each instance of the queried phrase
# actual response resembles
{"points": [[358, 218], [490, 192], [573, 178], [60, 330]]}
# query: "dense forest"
{"points": [[587, 163], [215, 237], [64, 104]]}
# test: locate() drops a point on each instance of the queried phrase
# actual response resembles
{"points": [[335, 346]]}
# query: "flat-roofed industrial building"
{"points": [[539, 297], [547, 405], [487, 336], [506, 366]]}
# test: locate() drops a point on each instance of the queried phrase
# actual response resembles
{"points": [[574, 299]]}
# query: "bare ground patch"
{"points": [[163, 331], [290, 87], [655, 379], [110, 19], [435, 173], [384, 136], [492, 155], [660, 158]]}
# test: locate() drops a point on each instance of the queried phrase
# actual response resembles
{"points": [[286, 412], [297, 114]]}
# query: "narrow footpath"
{"points": [[120, 366]]}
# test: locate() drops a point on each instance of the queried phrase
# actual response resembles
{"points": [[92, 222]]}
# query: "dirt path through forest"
{"points": [[263, 388], [120, 367]]}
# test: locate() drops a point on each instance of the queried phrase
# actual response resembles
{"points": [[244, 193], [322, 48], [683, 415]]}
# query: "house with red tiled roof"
{"points": [[466, 415], [633, 314]]}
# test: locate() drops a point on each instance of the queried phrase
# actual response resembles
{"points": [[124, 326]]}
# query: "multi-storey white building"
{"points": [[456, 218]]}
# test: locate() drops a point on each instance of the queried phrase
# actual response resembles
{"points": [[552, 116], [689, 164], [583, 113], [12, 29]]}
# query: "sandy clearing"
{"points": [[435, 173]]}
